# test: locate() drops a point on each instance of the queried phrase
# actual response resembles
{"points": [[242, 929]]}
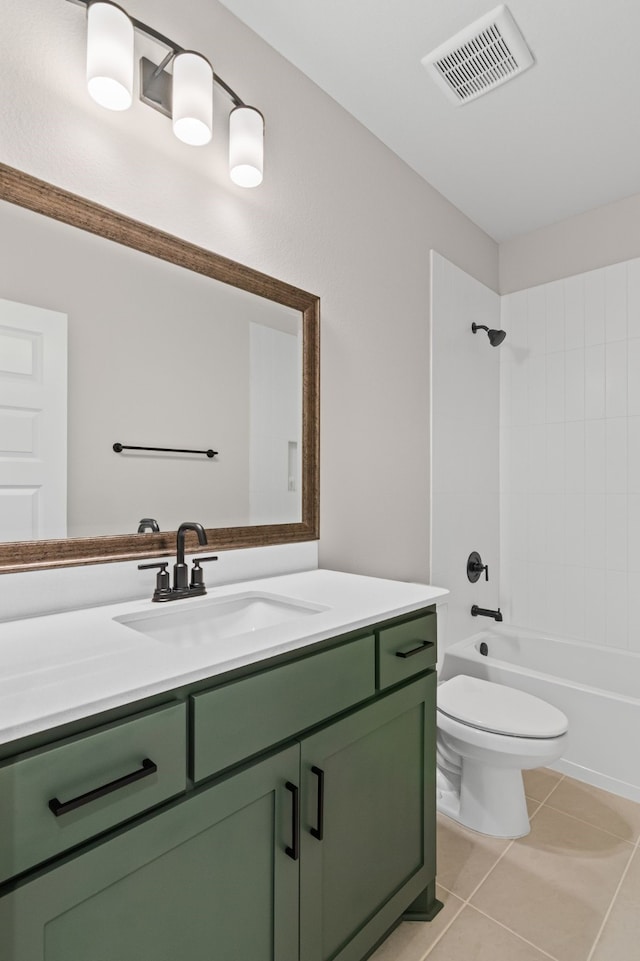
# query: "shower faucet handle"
{"points": [[475, 567]]}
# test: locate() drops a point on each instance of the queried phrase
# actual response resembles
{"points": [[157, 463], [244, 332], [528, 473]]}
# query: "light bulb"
{"points": [[109, 56], [192, 98], [246, 146]]}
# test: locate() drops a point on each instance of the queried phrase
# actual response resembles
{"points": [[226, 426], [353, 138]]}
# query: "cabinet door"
{"points": [[375, 850], [198, 881]]}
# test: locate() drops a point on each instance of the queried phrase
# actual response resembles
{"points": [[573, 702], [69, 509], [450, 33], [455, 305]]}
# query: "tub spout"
{"points": [[485, 612]]}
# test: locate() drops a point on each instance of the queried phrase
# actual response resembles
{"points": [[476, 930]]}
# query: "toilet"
{"points": [[487, 734]]}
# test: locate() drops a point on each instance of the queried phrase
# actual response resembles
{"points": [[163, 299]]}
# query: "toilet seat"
{"points": [[497, 709]]}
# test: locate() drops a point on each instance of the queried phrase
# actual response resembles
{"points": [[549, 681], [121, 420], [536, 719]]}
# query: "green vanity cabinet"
{"points": [[239, 719], [30, 833], [369, 785], [299, 824], [202, 880]]}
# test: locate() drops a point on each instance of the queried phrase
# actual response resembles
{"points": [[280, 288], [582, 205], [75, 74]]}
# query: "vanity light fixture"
{"points": [[185, 95], [109, 56], [192, 92], [246, 126]]}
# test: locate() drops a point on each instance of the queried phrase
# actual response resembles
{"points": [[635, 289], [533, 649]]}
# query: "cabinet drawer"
{"points": [[239, 719], [406, 649], [57, 797]]}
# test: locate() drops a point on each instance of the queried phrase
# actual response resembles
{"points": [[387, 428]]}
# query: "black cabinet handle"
{"points": [[318, 831], [59, 807], [422, 646], [294, 850]]}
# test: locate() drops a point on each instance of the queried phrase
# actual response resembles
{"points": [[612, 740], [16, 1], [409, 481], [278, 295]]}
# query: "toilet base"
{"points": [[487, 736], [491, 800]]}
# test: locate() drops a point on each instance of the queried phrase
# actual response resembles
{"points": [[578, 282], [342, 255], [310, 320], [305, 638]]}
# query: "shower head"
{"points": [[495, 336]]}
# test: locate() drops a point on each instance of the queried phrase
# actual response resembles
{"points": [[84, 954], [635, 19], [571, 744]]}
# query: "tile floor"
{"points": [[569, 891]]}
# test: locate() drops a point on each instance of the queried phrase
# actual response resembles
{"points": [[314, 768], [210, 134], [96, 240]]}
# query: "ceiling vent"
{"points": [[482, 56]]}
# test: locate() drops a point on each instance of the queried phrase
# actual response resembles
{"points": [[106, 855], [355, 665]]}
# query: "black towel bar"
{"points": [[118, 448]]}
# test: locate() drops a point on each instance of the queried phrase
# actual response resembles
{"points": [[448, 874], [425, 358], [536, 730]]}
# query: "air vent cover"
{"points": [[487, 53]]}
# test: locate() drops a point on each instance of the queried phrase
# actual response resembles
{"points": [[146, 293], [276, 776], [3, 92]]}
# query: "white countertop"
{"points": [[62, 667]]}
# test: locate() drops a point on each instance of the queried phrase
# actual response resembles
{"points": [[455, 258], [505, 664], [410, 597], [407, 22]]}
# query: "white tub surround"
{"points": [[465, 485], [597, 688], [61, 667], [570, 450]]}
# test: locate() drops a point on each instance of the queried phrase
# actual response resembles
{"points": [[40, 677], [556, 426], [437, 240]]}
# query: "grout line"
{"points": [[492, 868], [561, 778], [633, 854], [445, 929], [465, 902], [554, 788], [495, 864], [590, 824], [482, 880], [449, 891], [533, 811], [514, 933]]}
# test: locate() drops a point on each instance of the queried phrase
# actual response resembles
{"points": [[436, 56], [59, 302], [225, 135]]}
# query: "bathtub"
{"points": [[597, 688]]}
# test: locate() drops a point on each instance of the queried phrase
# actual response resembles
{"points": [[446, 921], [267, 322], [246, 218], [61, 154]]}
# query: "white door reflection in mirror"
{"points": [[33, 422]]}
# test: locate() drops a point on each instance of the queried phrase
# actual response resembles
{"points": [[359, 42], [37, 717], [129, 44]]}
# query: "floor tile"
{"points": [[474, 936], [606, 811], [411, 940], [540, 782], [621, 934], [464, 857], [554, 886]]}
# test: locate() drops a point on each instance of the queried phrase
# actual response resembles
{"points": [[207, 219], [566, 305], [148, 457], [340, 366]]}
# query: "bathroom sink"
{"points": [[218, 619]]}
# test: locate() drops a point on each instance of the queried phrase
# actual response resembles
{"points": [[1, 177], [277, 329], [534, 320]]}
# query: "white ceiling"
{"points": [[557, 140]]}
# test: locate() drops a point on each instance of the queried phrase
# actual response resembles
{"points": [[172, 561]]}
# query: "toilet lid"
{"points": [[499, 709]]}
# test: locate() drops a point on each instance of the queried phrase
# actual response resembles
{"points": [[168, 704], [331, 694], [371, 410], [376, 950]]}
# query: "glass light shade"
{"points": [[109, 56], [246, 146], [192, 98]]}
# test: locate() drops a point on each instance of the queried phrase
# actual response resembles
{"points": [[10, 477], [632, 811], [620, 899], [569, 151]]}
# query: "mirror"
{"points": [[170, 347]]}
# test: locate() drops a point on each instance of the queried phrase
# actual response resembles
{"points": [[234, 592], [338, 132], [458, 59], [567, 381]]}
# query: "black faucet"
{"points": [[180, 569], [485, 612], [181, 585]]}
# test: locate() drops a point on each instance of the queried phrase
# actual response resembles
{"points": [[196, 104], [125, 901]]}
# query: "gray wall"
{"points": [[338, 214], [600, 237]]}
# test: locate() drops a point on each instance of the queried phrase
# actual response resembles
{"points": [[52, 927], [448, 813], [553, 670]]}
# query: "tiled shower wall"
{"points": [[570, 457], [465, 379]]}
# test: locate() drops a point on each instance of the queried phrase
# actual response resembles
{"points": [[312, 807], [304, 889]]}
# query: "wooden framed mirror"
{"points": [[39, 221]]}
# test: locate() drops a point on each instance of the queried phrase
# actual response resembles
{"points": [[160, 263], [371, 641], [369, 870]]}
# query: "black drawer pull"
{"points": [[318, 831], [60, 807], [294, 850], [423, 646]]}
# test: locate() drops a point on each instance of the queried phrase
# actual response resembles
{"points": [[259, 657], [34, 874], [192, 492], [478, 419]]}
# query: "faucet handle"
{"points": [[475, 567], [163, 584], [197, 575]]}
